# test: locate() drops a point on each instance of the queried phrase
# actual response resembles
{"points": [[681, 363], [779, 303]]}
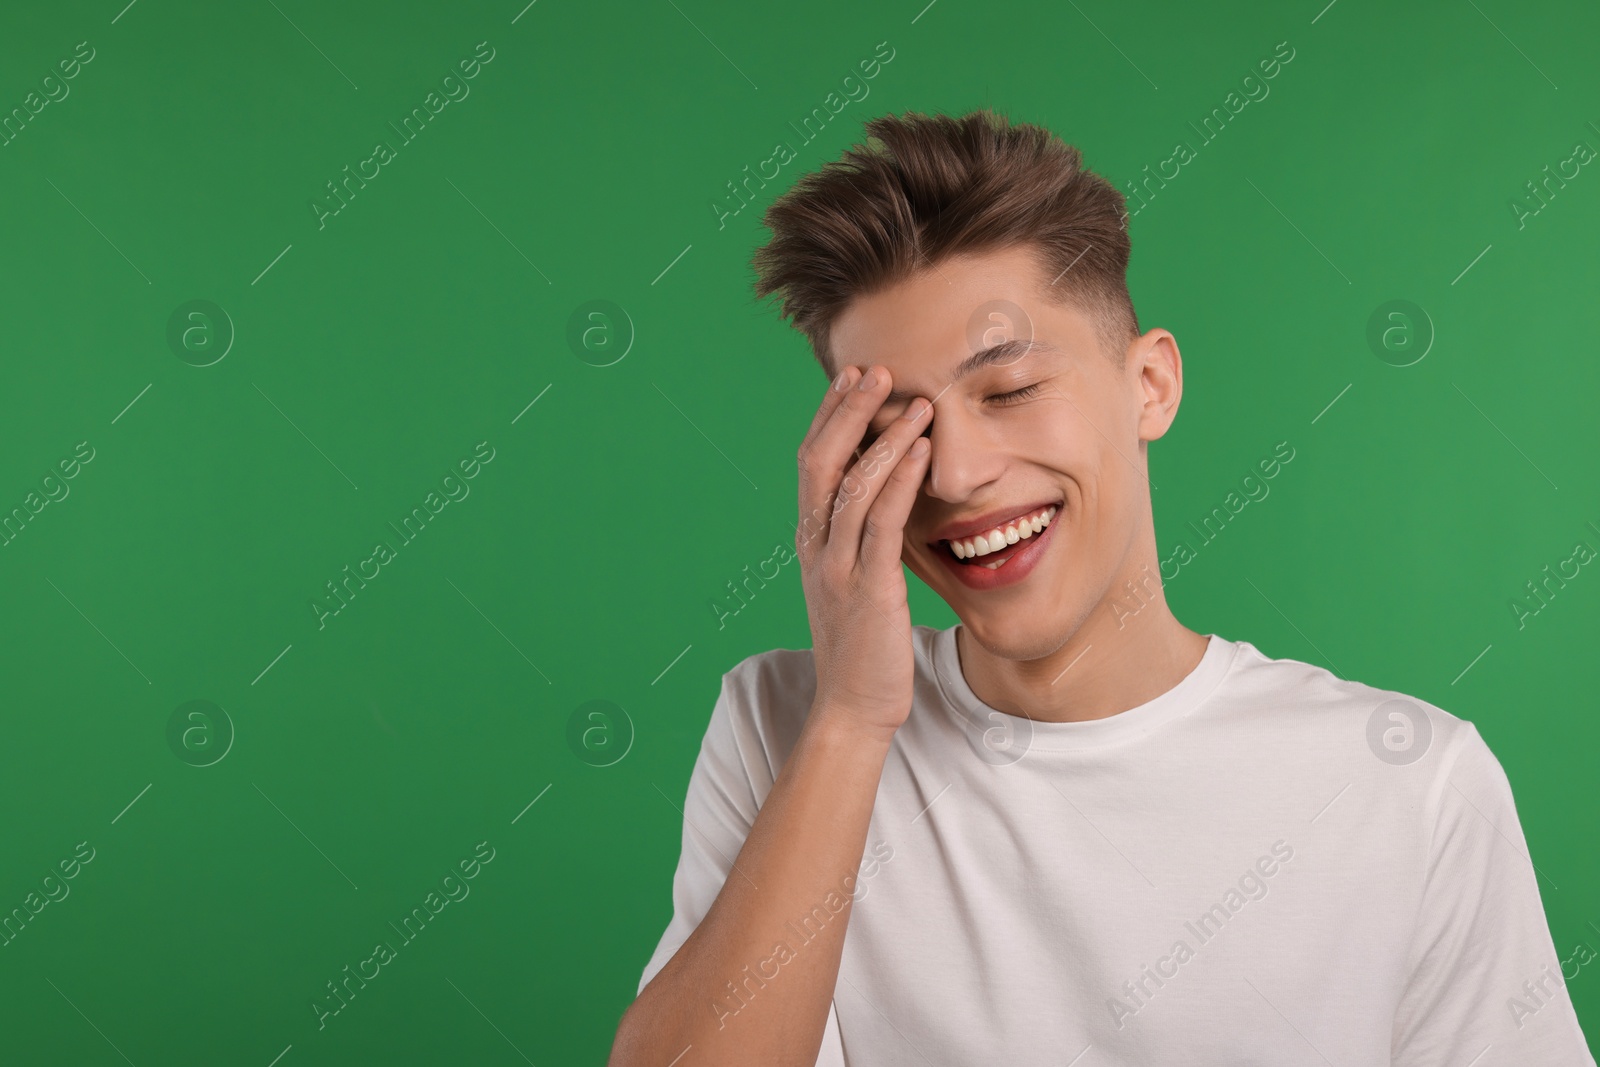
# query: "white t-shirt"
{"points": [[1265, 865]]}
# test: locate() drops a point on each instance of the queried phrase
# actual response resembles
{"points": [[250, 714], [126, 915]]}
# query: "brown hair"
{"points": [[938, 186]]}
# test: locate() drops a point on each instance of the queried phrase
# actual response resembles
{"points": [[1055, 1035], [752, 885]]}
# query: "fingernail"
{"points": [[915, 409], [919, 446], [868, 380], [842, 380]]}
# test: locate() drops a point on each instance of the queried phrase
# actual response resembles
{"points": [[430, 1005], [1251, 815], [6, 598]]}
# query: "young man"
{"points": [[1068, 830]]}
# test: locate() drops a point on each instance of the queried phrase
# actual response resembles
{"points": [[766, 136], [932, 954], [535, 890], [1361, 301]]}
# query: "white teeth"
{"points": [[998, 538]]}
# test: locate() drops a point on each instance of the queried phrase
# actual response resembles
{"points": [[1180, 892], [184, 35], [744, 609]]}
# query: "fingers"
{"points": [[840, 424], [838, 389], [854, 511], [812, 528], [883, 530]]}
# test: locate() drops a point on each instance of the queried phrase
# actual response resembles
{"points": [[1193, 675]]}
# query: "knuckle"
{"points": [[832, 574], [873, 527], [858, 584]]}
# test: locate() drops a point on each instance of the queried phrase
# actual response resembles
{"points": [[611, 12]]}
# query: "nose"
{"points": [[964, 455]]}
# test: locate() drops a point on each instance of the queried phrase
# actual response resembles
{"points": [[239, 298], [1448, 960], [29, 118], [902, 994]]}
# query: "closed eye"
{"points": [[1016, 395]]}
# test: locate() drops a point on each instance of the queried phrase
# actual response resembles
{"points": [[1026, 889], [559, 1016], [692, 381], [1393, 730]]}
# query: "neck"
{"points": [[1129, 650]]}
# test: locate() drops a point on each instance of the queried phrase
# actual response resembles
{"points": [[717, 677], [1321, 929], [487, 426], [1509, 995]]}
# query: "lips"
{"points": [[1003, 536], [1008, 565], [990, 521]]}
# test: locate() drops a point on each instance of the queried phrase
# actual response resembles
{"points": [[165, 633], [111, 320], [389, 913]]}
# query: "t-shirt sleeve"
{"points": [[732, 777], [1483, 970], [718, 810]]}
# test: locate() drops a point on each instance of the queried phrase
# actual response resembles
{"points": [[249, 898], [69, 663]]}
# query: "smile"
{"points": [[1001, 535]]}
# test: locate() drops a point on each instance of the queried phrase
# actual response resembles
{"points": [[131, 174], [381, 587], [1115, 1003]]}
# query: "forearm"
{"points": [[806, 842]]}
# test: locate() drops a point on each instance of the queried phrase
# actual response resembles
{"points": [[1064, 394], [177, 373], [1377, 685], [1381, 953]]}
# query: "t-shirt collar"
{"points": [[1189, 693]]}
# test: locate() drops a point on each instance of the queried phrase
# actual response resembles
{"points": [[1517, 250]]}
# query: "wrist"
{"points": [[840, 727]]}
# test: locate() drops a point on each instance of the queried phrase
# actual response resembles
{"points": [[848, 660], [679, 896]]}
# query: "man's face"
{"points": [[1051, 423]]}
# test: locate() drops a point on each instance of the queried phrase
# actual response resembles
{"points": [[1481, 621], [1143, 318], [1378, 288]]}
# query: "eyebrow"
{"points": [[1004, 352]]}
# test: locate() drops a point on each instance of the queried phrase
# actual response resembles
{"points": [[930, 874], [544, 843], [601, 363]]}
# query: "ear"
{"points": [[1155, 369]]}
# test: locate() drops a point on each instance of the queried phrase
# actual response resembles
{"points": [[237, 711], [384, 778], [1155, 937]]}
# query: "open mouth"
{"points": [[993, 548]]}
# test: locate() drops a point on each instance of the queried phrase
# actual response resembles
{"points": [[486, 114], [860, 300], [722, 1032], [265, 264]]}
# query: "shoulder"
{"points": [[769, 682], [1385, 726], [1393, 777], [763, 703]]}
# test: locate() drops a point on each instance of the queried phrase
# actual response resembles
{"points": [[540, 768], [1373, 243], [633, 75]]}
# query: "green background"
{"points": [[372, 354]]}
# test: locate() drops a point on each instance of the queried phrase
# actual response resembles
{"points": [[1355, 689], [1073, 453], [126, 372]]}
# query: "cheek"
{"points": [[1052, 435], [1081, 460]]}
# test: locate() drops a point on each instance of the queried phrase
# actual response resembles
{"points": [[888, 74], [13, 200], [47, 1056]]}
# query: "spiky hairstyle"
{"points": [[923, 188]]}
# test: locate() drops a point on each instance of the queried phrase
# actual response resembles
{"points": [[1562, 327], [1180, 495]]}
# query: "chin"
{"points": [[1027, 628], [1013, 635]]}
